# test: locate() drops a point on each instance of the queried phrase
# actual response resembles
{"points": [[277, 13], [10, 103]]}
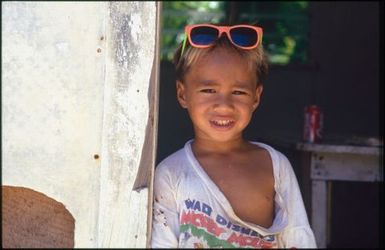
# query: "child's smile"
{"points": [[222, 124]]}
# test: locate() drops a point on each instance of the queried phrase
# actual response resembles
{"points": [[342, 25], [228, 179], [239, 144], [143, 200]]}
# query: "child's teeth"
{"points": [[223, 122]]}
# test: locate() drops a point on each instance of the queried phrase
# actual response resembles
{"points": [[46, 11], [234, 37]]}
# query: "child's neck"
{"points": [[209, 146]]}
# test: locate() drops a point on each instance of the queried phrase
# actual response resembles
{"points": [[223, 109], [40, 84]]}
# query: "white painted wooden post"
{"points": [[131, 33], [319, 212], [78, 101]]}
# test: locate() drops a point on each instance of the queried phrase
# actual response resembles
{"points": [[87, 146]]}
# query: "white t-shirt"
{"points": [[190, 211]]}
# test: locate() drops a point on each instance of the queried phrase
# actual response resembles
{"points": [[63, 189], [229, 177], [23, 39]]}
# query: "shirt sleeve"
{"points": [[165, 223], [298, 233]]}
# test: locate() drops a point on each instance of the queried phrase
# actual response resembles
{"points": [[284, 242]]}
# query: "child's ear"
{"points": [[181, 94], [258, 93]]}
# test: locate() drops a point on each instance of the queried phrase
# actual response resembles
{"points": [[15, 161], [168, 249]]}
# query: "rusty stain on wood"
{"points": [[33, 220]]}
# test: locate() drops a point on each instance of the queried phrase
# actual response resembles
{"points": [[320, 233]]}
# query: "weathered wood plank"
{"points": [[52, 104], [319, 212], [326, 148], [77, 99], [345, 167], [131, 30]]}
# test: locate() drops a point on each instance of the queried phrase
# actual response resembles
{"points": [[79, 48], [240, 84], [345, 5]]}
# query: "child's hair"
{"points": [[256, 58]]}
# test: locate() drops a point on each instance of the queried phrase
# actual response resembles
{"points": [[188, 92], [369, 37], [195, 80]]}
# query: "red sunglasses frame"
{"points": [[221, 30]]}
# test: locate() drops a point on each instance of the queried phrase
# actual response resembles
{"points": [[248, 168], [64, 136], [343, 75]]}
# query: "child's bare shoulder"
{"points": [[269, 157], [259, 154]]}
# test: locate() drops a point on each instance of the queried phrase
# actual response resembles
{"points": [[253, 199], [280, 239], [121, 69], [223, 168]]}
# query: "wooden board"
{"points": [[79, 117]]}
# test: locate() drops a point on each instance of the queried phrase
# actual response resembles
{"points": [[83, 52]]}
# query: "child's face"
{"points": [[220, 93]]}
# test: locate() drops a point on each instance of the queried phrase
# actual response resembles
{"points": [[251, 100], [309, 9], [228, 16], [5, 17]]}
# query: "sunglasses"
{"points": [[205, 35]]}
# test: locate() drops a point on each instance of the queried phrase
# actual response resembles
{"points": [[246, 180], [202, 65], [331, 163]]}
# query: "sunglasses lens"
{"points": [[244, 36], [203, 35]]}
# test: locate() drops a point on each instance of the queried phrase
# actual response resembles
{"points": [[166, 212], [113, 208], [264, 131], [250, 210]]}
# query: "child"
{"points": [[221, 190]]}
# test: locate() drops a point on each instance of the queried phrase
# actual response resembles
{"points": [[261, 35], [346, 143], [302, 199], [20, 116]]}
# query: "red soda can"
{"points": [[313, 124]]}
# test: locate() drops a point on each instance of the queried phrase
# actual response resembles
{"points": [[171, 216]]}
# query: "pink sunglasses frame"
{"points": [[221, 30]]}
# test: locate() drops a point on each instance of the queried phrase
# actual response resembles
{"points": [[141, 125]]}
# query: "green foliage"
{"points": [[177, 14], [285, 24]]}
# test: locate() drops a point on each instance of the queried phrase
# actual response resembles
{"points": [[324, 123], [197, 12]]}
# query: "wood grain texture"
{"points": [[123, 214], [319, 212], [52, 104], [79, 102]]}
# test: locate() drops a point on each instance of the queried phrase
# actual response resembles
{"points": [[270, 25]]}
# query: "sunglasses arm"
{"points": [[184, 43]]}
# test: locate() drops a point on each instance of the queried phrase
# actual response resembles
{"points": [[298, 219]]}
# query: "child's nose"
{"points": [[224, 102]]}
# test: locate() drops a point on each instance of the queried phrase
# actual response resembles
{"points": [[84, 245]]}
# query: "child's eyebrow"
{"points": [[244, 85], [213, 83], [208, 83]]}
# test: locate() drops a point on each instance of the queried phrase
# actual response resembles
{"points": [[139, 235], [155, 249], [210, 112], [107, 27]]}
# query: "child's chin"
{"points": [[224, 137]]}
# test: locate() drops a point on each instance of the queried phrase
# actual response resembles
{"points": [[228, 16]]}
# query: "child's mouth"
{"points": [[222, 124]]}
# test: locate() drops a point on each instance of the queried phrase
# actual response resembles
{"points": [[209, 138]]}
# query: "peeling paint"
{"points": [[131, 29]]}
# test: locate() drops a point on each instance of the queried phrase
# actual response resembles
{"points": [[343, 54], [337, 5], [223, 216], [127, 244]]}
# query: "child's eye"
{"points": [[238, 92], [207, 90]]}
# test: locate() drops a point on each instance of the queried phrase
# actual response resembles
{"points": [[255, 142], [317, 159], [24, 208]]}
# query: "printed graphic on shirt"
{"points": [[201, 227]]}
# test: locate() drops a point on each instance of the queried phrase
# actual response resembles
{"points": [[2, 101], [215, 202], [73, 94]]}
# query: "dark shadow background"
{"points": [[344, 78]]}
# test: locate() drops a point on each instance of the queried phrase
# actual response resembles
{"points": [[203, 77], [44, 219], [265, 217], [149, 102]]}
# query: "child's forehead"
{"points": [[221, 66], [222, 51], [222, 58]]}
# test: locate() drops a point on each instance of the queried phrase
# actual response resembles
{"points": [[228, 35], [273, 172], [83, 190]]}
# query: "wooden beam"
{"points": [[319, 212], [345, 167], [129, 120]]}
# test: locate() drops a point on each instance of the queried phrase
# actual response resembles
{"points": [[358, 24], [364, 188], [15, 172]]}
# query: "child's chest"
{"points": [[249, 188]]}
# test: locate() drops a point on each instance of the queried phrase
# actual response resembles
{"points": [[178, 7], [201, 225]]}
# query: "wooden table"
{"points": [[321, 164]]}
